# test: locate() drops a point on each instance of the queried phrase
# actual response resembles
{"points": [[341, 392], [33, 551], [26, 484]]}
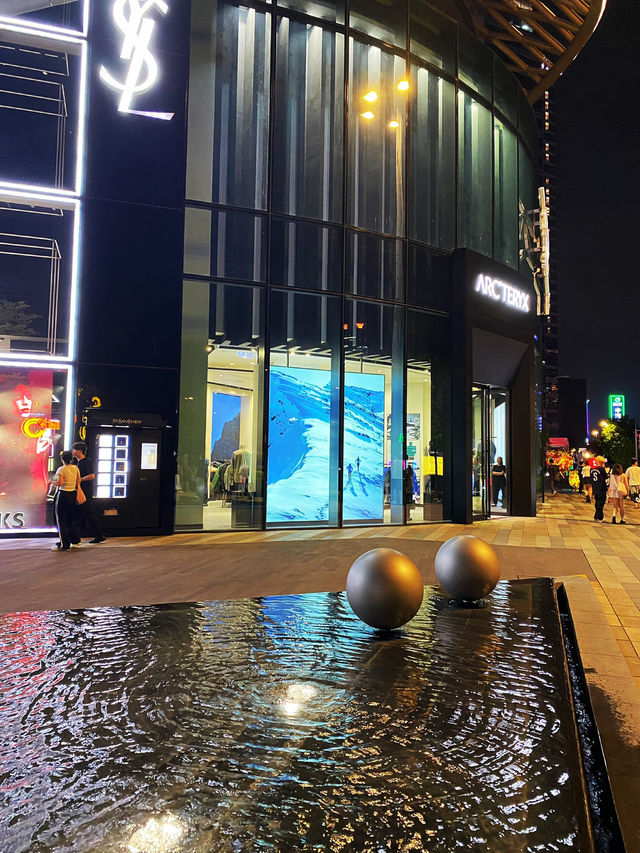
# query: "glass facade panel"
{"points": [[475, 64], [475, 177], [432, 209], [32, 402], [378, 93], [428, 420], [220, 470], [428, 278], [325, 10], [433, 37], [304, 409], [306, 255], [373, 414], [229, 110], [225, 244], [375, 266], [381, 20], [308, 127], [505, 195], [505, 92]]}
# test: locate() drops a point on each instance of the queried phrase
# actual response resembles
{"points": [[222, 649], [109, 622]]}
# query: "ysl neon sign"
{"points": [[130, 17]]}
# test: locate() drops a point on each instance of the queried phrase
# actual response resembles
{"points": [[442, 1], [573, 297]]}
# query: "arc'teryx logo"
{"points": [[131, 19]]}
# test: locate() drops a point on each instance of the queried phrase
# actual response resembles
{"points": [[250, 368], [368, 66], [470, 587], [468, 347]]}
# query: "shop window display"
{"points": [[219, 478], [31, 436]]}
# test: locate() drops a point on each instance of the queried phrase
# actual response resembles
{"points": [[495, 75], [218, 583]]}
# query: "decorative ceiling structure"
{"points": [[537, 40]]}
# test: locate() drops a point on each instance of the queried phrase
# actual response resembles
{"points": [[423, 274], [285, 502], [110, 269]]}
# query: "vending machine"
{"points": [[126, 451]]}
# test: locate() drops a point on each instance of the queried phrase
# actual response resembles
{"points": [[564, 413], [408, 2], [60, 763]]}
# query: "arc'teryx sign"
{"points": [[495, 288], [130, 17]]}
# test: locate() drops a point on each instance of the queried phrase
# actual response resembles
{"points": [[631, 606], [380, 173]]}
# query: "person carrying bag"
{"points": [[67, 499]]}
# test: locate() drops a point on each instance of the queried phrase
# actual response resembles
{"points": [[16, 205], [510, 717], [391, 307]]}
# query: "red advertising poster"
{"points": [[27, 434]]}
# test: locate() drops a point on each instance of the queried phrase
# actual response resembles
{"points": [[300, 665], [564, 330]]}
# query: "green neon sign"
{"points": [[616, 406]]}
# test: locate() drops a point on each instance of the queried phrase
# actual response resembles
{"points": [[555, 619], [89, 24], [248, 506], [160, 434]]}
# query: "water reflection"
{"points": [[285, 723]]}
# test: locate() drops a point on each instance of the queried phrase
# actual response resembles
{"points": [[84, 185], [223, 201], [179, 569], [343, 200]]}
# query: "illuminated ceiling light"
{"points": [[368, 115], [371, 97], [158, 835], [394, 123], [403, 86]]}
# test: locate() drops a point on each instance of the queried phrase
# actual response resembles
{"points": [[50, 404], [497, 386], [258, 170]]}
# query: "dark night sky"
{"points": [[598, 201]]}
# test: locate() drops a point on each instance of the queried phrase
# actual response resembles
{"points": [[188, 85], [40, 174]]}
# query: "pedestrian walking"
{"points": [[618, 490], [633, 477], [586, 481], [87, 516], [67, 478], [599, 487]]}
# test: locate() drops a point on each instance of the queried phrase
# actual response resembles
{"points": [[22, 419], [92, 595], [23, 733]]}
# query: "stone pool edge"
{"points": [[615, 700]]}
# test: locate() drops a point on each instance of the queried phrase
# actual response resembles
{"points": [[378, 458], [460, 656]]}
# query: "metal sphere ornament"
{"points": [[467, 568], [384, 588]]}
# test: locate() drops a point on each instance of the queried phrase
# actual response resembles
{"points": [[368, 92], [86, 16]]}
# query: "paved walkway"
{"points": [[598, 563]]}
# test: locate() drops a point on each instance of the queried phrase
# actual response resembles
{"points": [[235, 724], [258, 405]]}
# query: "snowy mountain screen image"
{"points": [[298, 471], [362, 495]]}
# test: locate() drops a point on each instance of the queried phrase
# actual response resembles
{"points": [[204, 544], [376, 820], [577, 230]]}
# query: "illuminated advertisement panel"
{"points": [[28, 435], [298, 472]]}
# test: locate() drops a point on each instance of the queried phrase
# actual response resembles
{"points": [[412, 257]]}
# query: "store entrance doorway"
{"points": [[490, 470]]}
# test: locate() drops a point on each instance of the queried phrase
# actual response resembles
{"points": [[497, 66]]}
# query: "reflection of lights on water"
{"points": [[295, 695], [158, 835]]}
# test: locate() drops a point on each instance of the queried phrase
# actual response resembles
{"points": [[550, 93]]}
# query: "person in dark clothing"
{"points": [[599, 484], [407, 490], [87, 511], [498, 481]]}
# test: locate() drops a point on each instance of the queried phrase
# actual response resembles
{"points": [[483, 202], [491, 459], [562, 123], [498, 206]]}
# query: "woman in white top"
{"points": [[618, 490], [68, 479], [585, 473]]}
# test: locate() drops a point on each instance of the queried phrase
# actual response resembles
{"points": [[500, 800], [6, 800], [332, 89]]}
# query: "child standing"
{"points": [[68, 479]]}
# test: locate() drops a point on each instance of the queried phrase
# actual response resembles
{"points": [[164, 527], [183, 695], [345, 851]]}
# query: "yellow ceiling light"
{"points": [[394, 124], [368, 115], [403, 86], [371, 96]]}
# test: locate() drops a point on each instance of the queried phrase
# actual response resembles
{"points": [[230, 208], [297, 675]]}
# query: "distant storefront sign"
{"points": [[616, 406]]}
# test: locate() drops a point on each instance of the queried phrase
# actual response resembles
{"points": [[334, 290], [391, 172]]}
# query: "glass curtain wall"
{"points": [[333, 165]]}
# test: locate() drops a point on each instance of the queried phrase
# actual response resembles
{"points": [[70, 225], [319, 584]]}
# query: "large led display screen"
{"points": [[298, 471], [27, 436], [362, 483]]}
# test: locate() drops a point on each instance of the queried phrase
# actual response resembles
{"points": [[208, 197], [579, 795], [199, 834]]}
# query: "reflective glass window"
{"points": [[475, 64], [378, 92], [381, 19], [505, 195], [428, 277], [32, 403], [326, 10], [219, 484], [475, 131], [39, 104], [309, 119], [63, 13], [228, 124], [432, 160], [433, 37], [428, 423], [36, 260], [527, 203], [304, 409], [225, 244], [306, 255], [505, 91], [372, 473], [375, 266]]}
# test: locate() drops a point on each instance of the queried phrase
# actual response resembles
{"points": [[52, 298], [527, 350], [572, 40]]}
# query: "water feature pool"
{"points": [[285, 724]]}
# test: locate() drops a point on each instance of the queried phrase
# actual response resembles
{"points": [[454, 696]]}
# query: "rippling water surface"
{"points": [[286, 724]]}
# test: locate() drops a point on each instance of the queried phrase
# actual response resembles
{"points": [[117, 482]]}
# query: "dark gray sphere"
{"points": [[384, 588], [467, 568]]}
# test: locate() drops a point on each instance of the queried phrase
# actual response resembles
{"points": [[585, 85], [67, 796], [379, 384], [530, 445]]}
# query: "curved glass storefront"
{"points": [[336, 157]]}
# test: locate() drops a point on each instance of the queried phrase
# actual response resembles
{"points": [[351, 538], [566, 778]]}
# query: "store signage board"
{"points": [[132, 18], [616, 406], [500, 291]]}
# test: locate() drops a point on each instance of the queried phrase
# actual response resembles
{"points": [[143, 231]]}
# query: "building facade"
{"points": [[264, 259]]}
